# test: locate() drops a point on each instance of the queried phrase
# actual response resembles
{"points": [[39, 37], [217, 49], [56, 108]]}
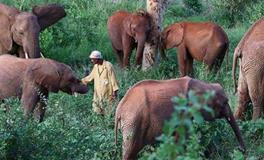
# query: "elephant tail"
{"points": [[236, 56], [117, 120]]}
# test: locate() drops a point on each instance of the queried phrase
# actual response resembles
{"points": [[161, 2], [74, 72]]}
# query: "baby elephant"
{"points": [[128, 31], [32, 79], [203, 41], [144, 108]]}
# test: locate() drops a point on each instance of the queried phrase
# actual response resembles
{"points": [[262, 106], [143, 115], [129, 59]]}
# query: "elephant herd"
{"points": [[142, 111], [202, 41], [141, 119], [32, 79]]}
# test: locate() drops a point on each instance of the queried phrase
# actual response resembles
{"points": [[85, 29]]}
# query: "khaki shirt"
{"points": [[105, 82]]}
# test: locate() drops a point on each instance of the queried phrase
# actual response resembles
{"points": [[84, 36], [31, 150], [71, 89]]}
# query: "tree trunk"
{"points": [[151, 50]]}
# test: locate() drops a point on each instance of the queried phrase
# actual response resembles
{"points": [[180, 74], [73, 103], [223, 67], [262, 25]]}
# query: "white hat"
{"points": [[96, 54]]}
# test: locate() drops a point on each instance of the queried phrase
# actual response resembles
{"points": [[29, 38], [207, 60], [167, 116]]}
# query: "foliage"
{"points": [[194, 6], [61, 136], [229, 12], [255, 11]]}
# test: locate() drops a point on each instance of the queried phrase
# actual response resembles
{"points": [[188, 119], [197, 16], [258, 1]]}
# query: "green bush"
{"points": [[255, 11], [194, 6], [229, 12]]}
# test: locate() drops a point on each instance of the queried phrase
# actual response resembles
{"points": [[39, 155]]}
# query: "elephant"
{"points": [[250, 81], [128, 31], [31, 80], [141, 119], [19, 31], [202, 41]]}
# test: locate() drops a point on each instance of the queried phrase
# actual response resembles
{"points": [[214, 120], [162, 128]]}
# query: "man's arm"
{"points": [[88, 78], [113, 81]]}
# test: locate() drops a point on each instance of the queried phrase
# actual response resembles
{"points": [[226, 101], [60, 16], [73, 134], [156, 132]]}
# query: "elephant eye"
{"points": [[21, 33]]}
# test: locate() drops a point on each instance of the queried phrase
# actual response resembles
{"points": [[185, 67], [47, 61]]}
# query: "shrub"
{"points": [[255, 11], [194, 6], [229, 12]]}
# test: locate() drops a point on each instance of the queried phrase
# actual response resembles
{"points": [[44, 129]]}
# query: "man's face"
{"points": [[94, 60]]}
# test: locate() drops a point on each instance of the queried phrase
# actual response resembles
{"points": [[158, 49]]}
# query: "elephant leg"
{"points": [[29, 99], [218, 62], [182, 60], [257, 109], [189, 65], [243, 97], [215, 64], [127, 48], [139, 57], [119, 54], [132, 148], [215, 55], [40, 109], [132, 141], [121, 57], [255, 87]]}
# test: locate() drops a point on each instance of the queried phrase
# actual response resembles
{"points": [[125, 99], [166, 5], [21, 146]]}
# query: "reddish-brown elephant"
{"points": [[127, 31], [202, 41], [32, 79], [141, 119], [19, 31], [250, 51]]}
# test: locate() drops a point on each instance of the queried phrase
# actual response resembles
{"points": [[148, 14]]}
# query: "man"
{"points": [[105, 83]]}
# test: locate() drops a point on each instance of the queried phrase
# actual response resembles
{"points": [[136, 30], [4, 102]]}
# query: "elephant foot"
{"points": [[256, 113]]}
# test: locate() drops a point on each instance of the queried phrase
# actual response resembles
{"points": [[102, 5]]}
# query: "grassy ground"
{"points": [[71, 130]]}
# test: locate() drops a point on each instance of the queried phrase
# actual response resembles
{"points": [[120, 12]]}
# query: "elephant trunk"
{"points": [[140, 48], [162, 48], [236, 55], [231, 120], [31, 46], [80, 88]]}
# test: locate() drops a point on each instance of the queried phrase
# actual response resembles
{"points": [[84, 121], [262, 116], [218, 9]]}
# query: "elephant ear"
{"points": [[48, 14], [217, 86], [173, 35], [200, 87], [127, 24], [45, 73], [219, 89], [7, 17]]}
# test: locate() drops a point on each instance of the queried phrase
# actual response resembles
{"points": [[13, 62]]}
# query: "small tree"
{"points": [[150, 55]]}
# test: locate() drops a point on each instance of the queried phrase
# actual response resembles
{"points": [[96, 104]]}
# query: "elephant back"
{"points": [[255, 32]]}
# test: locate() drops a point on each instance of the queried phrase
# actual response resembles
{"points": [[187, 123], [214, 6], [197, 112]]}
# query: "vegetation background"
{"points": [[72, 131]]}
